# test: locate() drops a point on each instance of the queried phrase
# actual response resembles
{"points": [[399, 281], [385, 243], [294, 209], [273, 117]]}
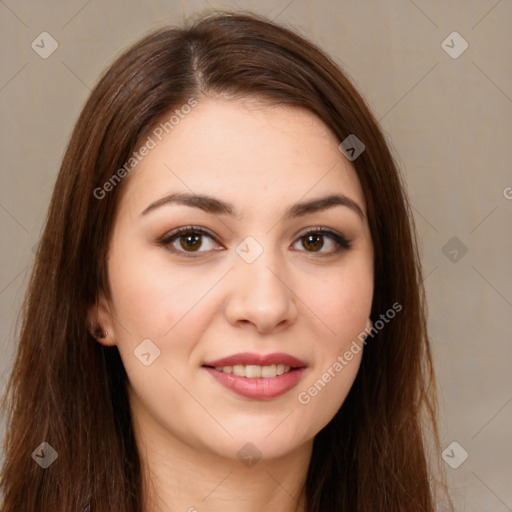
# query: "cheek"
{"points": [[343, 303], [151, 296]]}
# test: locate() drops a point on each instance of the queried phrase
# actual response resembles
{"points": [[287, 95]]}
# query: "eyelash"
{"points": [[342, 243]]}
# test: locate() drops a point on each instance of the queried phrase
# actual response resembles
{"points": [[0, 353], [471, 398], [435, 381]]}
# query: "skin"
{"points": [[301, 300]]}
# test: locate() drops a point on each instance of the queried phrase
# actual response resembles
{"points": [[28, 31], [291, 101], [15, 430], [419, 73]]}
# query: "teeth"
{"points": [[239, 370], [269, 371], [252, 371], [225, 369]]}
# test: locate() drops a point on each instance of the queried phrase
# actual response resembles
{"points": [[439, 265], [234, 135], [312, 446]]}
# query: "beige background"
{"points": [[448, 118]]}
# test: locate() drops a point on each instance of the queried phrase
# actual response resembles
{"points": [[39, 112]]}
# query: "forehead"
{"points": [[243, 151]]}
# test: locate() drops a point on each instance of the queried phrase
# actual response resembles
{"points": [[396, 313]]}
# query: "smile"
{"points": [[252, 371], [257, 376]]}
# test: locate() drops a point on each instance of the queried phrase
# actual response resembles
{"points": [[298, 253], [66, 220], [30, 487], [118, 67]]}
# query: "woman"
{"points": [[226, 309]]}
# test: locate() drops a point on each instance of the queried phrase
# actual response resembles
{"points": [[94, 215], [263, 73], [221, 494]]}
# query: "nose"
{"points": [[261, 294]]}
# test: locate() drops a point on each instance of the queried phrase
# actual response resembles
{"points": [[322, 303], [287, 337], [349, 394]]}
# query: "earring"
{"points": [[99, 333]]}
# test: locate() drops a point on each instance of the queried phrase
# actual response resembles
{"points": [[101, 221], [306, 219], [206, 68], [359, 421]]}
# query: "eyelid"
{"points": [[188, 229]]}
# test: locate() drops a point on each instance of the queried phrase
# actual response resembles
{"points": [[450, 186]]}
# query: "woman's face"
{"points": [[251, 280]]}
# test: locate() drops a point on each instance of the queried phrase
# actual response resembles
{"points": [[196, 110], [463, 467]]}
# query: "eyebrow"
{"points": [[213, 205]]}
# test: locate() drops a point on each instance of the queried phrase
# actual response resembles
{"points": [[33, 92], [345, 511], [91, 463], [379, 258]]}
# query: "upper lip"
{"points": [[249, 358]]}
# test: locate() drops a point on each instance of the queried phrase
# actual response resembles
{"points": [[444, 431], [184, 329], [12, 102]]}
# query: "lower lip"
{"points": [[259, 388]]}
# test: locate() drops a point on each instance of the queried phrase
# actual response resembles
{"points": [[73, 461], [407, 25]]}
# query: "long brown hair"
{"points": [[69, 391]]}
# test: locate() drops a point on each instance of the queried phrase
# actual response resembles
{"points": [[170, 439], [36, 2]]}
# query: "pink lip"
{"points": [[246, 358], [260, 388]]}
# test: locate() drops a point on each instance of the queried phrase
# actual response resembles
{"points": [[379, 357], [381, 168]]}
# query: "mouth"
{"points": [[256, 376], [280, 360], [252, 371]]}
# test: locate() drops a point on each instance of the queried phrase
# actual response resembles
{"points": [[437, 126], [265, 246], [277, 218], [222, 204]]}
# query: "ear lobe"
{"points": [[100, 321]]}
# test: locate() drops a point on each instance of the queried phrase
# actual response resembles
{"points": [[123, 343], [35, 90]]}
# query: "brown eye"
{"points": [[314, 242], [188, 241]]}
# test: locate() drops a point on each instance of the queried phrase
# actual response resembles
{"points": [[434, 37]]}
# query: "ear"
{"points": [[369, 325], [99, 318]]}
